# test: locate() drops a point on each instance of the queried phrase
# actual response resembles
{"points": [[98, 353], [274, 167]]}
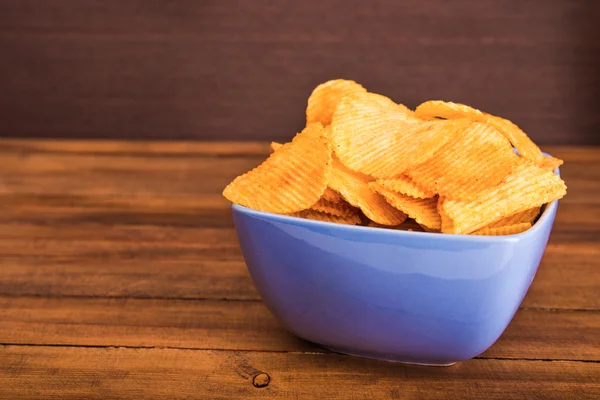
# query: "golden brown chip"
{"points": [[518, 138], [292, 179], [275, 146], [527, 149], [424, 211], [520, 217], [448, 110], [504, 230], [528, 186], [408, 225], [332, 196], [479, 158], [378, 141], [352, 219], [325, 98], [340, 209], [550, 163], [404, 185], [354, 188], [447, 225]]}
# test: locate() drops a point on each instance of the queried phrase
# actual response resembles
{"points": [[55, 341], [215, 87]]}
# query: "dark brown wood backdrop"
{"points": [[234, 69]]}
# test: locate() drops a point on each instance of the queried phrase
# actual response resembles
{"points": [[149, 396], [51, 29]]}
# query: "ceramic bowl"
{"points": [[412, 297]]}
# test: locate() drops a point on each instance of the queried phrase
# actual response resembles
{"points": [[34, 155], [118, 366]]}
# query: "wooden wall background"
{"points": [[235, 69]]}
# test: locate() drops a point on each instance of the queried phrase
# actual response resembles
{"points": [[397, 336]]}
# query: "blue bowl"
{"points": [[412, 297]]}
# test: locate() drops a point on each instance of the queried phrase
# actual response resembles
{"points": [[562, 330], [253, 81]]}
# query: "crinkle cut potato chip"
{"points": [[339, 209], [528, 186], [447, 225], [504, 230], [292, 179], [527, 149], [448, 110], [352, 219], [519, 139], [325, 98], [520, 217], [354, 188], [365, 159], [479, 158], [275, 146], [377, 141], [551, 163], [332, 196], [424, 211], [405, 185]]}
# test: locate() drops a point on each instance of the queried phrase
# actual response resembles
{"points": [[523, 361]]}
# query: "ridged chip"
{"points": [[527, 149], [340, 209], [516, 136], [550, 163], [352, 219], [424, 211], [292, 179], [520, 217], [504, 230], [405, 185], [448, 110], [354, 188], [275, 146], [479, 158], [325, 98], [332, 196], [447, 224], [528, 186], [378, 141]]}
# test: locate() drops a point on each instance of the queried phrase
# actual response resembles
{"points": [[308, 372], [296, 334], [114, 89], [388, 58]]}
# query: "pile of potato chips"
{"points": [[365, 160]]}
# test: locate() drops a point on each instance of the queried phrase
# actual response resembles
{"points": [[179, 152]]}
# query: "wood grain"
{"points": [[242, 326], [243, 70], [121, 276], [73, 373]]}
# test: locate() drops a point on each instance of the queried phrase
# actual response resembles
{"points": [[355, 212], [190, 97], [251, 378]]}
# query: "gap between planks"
{"points": [[227, 299], [325, 352]]}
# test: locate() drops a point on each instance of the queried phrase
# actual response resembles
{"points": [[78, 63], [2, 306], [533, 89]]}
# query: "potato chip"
{"points": [[354, 188], [404, 185], [292, 179], [378, 141], [447, 225], [275, 146], [528, 186], [332, 196], [520, 217], [504, 230], [527, 149], [550, 163], [479, 158], [352, 219], [325, 98], [448, 110], [339, 209], [408, 225], [424, 211], [516, 136]]}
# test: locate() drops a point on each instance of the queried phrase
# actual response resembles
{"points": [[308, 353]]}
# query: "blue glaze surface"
{"points": [[396, 295]]}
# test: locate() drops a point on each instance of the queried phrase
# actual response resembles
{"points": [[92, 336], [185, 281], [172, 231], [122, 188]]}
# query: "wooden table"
{"points": [[121, 277]]}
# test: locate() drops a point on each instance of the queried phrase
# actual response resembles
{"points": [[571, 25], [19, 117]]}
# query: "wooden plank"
{"points": [[111, 373], [76, 169], [140, 147], [224, 325]]}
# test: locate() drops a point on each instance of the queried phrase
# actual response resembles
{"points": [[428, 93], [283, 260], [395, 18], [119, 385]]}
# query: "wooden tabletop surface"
{"points": [[121, 277]]}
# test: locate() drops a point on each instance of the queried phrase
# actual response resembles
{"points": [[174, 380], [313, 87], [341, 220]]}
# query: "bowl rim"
{"points": [[543, 219]]}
